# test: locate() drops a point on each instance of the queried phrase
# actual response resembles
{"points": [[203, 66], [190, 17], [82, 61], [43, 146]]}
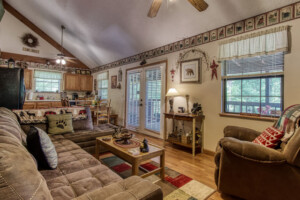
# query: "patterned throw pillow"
{"points": [[269, 137], [59, 124], [41, 147]]}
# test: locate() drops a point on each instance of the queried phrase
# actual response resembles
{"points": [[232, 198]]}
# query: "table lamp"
{"points": [[171, 93]]}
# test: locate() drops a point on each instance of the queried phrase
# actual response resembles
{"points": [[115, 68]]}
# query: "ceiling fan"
{"points": [[200, 5], [61, 58]]}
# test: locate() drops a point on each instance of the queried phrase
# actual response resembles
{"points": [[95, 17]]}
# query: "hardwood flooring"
{"points": [[201, 167]]}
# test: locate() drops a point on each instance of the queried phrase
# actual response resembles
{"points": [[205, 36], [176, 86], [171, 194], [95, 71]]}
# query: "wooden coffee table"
{"points": [[134, 160]]}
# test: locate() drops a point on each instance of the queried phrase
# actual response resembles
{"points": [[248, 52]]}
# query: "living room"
{"points": [[171, 99]]}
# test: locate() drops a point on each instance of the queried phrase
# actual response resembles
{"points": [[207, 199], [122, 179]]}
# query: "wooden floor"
{"points": [[201, 167]]}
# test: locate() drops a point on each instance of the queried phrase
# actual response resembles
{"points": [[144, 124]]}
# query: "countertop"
{"points": [[46, 100]]}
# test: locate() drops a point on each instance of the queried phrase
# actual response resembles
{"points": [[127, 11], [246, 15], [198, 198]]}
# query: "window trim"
{"points": [[107, 88], [250, 115], [59, 80]]}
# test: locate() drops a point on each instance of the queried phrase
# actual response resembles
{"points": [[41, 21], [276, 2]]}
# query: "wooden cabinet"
{"points": [[72, 82], [77, 82], [28, 77], [29, 105], [86, 83], [42, 105]]}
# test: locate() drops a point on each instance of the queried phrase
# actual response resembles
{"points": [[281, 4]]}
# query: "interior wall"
{"points": [[11, 31], [209, 93]]}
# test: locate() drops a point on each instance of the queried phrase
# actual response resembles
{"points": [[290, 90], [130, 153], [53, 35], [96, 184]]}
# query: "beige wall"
{"points": [[209, 92]]}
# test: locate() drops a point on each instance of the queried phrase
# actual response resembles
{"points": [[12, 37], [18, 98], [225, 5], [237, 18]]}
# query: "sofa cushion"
{"points": [[84, 124], [77, 172], [269, 137], [42, 148], [59, 124]]}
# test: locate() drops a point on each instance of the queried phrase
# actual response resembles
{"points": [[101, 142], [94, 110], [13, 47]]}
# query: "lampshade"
{"points": [[172, 92]]}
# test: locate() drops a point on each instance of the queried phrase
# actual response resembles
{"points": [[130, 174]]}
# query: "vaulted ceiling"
{"points": [[101, 31]]}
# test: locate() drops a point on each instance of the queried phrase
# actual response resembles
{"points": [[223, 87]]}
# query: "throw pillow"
{"points": [[269, 137], [59, 124], [41, 147]]}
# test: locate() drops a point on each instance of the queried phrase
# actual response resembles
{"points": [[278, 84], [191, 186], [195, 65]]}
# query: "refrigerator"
{"points": [[12, 88]]}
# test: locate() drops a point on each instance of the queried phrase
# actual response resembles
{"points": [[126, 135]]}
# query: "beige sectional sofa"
{"points": [[78, 176]]}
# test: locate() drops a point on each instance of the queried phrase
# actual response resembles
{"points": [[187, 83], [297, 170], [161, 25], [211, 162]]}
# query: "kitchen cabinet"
{"points": [[42, 105], [77, 82], [28, 77], [86, 83], [72, 82]]}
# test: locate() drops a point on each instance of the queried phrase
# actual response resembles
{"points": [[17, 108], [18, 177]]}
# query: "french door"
{"points": [[145, 99]]}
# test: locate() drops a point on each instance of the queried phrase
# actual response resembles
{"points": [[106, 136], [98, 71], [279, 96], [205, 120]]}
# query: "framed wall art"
{"points": [[286, 13], [297, 10], [273, 17], [239, 27], [260, 21], [221, 33], [190, 71], [206, 37], [114, 82], [213, 35], [249, 24], [229, 30]]}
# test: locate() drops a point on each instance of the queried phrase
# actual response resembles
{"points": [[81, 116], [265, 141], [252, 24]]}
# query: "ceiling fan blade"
{"points": [[200, 5], [154, 8]]}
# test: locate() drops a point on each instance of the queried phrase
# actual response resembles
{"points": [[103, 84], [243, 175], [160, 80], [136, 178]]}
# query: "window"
{"points": [[46, 81], [102, 80], [254, 85]]}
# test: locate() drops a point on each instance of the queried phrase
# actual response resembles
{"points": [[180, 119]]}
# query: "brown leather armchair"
{"points": [[251, 171]]}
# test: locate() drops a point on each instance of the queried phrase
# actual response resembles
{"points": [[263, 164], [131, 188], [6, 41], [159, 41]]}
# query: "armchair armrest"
{"points": [[132, 188], [251, 151], [240, 133]]}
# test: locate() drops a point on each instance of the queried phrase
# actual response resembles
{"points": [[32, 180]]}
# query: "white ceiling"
{"points": [[102, 31]]}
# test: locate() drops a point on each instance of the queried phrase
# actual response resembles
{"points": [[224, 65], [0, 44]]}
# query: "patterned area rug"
{"points": [[176, 186]]}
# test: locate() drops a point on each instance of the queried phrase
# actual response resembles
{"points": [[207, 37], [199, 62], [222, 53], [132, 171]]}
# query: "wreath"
{"points": [[30, 40]]}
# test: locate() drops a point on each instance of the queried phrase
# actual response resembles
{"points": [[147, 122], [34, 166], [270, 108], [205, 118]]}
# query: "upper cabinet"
{"points": [[86, 83], [77, 82], [28, 78]]}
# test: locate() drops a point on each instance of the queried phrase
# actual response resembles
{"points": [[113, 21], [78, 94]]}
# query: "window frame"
{"points": [[98, 88], [224, 102], [45, 80], [242, 77]]}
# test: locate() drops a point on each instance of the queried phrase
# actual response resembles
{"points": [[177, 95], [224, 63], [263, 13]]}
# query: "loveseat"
{"points": [[78, 175], [252, 171]]}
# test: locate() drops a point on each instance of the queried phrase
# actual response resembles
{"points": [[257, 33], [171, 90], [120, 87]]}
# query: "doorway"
{"points": [[145, 99]]}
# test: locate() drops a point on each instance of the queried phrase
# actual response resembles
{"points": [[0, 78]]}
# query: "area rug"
{"points": [[176, 186]]}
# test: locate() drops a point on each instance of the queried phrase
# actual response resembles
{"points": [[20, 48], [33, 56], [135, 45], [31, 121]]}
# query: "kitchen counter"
{"points": [[46, 100]]}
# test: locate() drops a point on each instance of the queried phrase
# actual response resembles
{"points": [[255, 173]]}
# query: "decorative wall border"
{"points": [[271, 18], [36, 65]]}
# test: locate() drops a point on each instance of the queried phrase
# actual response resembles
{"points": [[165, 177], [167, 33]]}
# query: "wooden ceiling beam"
{"points": [[41, 33]]}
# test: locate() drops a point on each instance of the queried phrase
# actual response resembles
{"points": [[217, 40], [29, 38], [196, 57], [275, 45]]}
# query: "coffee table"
{"points": [[134, 160]]}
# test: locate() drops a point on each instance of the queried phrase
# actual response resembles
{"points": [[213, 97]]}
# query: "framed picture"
{"points": [[249, 24], [260, 21], [181, 44], [239, 27], [273, 17], [297, 10], [213, 35], [221, 33], [230, 30], [82, 72], [114, 80], [190, 71], [186, 43], [193, 41], [286, 13], [199, 39], [171, 47], [206, 37], [88, 72]]}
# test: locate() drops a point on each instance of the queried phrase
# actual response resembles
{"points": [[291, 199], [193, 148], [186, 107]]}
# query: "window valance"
{"points": [[47, 75], [256, 44]]}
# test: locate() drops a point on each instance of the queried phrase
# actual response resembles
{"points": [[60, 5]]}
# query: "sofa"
{"points": [[85, 133], [78, 175], [252, 171]]}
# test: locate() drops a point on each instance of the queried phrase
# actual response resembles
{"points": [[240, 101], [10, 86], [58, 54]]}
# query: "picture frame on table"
{"points": [[190, 71], [114, 82]]}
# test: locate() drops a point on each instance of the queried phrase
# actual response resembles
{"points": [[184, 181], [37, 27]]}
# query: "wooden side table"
{"points": [[186, 117]]}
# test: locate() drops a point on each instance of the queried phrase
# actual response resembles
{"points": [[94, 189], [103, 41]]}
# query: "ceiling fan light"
{"points": [[63, 61], [58, 61]]}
